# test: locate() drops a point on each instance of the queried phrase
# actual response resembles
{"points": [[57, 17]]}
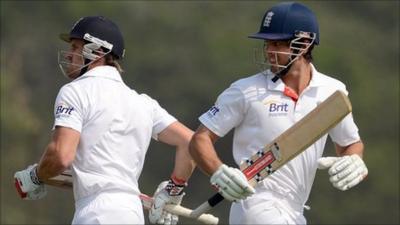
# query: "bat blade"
{"points": [[290, 143], [297, 138]]}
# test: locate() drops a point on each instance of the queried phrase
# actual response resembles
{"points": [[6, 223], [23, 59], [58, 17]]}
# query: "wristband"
{"points": [[175, 186], [178, 181]]}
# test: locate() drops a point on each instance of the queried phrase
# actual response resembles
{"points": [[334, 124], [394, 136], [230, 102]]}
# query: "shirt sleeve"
{"points": [[227, 113], [68, 110], [345, 132], [161, 118]]}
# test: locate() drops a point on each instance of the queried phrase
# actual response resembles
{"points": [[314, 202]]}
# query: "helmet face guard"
{"points": [[298, 46], [67, 67], [288, 21], [90, 53]]}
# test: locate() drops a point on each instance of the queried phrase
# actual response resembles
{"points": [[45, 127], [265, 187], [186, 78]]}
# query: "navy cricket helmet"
{"points": [[100, 29], [284, 20]]}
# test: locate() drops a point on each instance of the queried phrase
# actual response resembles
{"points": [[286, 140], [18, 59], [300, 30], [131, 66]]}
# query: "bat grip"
{"points": [[181, 211], [209, 204]]}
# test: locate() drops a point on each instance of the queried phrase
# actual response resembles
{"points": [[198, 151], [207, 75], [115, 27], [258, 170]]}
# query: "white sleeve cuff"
{"points": [[68, 125], [207, 123], [161, 125]]}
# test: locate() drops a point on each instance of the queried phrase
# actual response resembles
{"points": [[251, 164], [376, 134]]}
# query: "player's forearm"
{"points": [[202, 151], [59, 153], [184, 164], [355, 148], [177, 134], [52, 162]]}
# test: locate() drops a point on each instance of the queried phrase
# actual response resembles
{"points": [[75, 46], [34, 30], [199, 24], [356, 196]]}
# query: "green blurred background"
{"points": [[184, 53]]}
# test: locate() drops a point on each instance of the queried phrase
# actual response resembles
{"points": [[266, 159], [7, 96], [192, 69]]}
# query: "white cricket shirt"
{"points": [[116, 125], [259, 111]]}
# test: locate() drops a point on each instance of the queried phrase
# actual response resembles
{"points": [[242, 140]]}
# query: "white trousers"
{"points": [[266, 208], [109, 208]]}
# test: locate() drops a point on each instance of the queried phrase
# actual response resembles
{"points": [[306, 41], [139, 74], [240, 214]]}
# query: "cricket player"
{"points": [[102, 131], [261, 107]]}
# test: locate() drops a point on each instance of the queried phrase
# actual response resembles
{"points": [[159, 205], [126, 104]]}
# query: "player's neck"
{"points": [[298, 77], [99, 62]]}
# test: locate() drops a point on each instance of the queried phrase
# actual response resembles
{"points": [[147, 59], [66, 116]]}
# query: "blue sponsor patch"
{"points": [[213, 110], [63, 109], [281, 107], [276, 108]]}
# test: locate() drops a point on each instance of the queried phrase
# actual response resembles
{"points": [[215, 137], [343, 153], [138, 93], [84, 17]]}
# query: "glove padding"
{"points": [[28, 185], [231, 183], [167, 193], [345, 172]]}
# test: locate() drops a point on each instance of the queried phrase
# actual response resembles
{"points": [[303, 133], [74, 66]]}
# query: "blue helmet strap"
{"points": [[283, 72]]}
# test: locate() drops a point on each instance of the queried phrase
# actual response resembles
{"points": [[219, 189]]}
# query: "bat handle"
{"points": [[209, 204], [185, 212], [147, 201]]}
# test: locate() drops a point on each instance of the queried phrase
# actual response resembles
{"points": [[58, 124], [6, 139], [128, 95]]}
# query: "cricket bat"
{"points": [[64, 181], [290, 143]]}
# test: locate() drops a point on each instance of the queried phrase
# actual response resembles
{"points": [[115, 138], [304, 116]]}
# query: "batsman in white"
{"points": [[261, 107], [102, 131]]}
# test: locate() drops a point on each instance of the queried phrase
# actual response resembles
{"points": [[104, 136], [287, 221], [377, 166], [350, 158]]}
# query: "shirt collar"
{"points": [[108, 72], [315, 78], [274, 86], [280, 86]]}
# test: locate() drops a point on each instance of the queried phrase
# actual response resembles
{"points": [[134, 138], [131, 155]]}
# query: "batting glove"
{"points": [[28, 185], [345, 172], [231, 183], [168, 192]]}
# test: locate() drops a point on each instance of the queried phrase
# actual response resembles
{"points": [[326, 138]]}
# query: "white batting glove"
{"points": [[28, 184], [167, 193], [345, 172], [231, 183]]}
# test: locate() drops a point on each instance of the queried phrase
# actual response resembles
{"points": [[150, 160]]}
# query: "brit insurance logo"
{"points": [[212, 111], [62, 109], [268, 19], [277, 109]]}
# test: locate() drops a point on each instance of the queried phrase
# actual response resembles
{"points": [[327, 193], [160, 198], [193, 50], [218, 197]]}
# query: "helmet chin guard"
{"points": [[65, 63]]}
